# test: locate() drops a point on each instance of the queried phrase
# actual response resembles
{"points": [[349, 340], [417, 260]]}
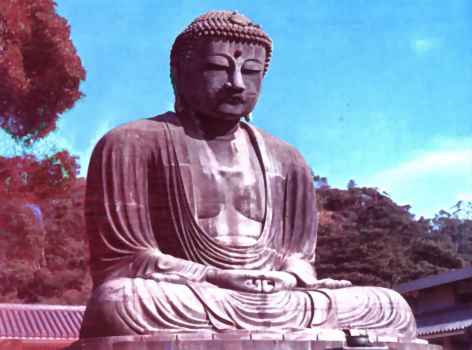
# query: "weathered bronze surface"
{"points": [[228, 341], [198, 220]]}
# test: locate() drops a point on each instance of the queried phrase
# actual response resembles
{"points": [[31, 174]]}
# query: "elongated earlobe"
{"points": [[178, 105]]}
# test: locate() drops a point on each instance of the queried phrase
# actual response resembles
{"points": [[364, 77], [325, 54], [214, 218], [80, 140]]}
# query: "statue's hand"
{"points": [[280, 280], [252, 281], [329, 283], [166, 277]]}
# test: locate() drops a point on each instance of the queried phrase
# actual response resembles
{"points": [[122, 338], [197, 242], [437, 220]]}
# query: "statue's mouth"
{"points": [[235, 99]]}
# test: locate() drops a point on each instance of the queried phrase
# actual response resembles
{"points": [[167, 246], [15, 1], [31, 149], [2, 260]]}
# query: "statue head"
{"points": [[217, 65]]}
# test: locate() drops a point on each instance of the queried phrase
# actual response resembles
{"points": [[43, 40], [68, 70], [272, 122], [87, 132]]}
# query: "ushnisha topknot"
{"points": [[225, 25]]}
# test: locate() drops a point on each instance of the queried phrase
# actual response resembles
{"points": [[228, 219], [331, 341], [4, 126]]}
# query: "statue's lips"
{"points": [[234, 100]]}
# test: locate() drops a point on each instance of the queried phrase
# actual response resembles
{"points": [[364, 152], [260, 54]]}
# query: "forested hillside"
{"points": [[368, 239]]}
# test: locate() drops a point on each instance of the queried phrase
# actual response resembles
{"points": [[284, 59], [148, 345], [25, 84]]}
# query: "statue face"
{"points": [[224, 78]]}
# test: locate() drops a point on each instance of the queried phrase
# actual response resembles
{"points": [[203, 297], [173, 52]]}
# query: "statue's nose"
{"points": [[237, 81]]}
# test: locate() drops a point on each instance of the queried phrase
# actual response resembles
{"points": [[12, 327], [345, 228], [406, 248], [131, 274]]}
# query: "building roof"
{"points": [[435, 280], [445, 321], [36, 321]]}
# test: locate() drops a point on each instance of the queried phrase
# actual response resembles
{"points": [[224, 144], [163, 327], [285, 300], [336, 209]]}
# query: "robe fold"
{"points": [[149, 255]]}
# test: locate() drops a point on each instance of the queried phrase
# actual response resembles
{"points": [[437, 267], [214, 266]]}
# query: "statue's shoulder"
{"points": [[281, 150], [141, 129]]}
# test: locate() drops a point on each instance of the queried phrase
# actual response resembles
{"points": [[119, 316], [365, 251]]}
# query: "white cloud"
{"points": [[464, 196], [424, 45], [85, 154], [449, 161], [430, 181]]}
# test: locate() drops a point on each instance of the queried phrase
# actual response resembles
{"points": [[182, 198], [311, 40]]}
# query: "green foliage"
{"points": [[454, 227], [320, 181], [351, 184], [368, 239]]}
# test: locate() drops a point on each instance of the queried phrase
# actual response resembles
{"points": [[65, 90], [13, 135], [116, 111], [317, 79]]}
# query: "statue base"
{"points": [[248, 340]]}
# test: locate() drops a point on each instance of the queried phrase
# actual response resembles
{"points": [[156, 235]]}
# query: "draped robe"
{"points": [[149, 255]]}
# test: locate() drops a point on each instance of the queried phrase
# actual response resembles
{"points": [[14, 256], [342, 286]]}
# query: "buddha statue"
{"points": [[198, 220]]}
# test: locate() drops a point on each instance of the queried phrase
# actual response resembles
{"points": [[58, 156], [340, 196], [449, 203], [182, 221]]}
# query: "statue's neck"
{"points": [[209, 128]]}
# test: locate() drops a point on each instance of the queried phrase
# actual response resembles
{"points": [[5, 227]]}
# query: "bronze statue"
{"points": [[198, 220]]}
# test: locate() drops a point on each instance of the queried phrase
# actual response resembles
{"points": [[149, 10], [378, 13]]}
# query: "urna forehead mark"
{"points": [[233, 50]]}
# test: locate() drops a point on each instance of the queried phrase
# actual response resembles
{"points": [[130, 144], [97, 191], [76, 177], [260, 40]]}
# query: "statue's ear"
{"points": [[179, 105], [174, 78], [178, 84]]}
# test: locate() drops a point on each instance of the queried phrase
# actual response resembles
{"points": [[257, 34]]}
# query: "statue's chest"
{"points": [[227, 177]]}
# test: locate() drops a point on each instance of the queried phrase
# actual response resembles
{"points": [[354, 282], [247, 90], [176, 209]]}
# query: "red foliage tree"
{"points": [[32, 179], [40, 71], [43, 248]]}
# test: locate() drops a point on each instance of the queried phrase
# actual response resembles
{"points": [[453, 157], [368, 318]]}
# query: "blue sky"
{"points": [[375, 91]]}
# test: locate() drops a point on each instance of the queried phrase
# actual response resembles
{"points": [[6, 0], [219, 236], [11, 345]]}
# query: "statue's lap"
{"points": [[126, 306]]}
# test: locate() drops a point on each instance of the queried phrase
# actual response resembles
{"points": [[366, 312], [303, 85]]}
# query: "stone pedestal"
{"points": [[240, 340]]}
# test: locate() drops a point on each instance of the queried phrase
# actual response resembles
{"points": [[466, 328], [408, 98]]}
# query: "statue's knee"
{"points": [[102, 316]]}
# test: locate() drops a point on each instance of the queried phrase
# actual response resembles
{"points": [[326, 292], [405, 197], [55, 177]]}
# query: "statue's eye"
{"points": [[216, 63], [252, 68], [215, 66], [251, 71]]}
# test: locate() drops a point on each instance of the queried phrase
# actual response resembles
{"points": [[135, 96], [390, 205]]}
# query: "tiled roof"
{"points": [[435, 280], [28, 321], [445, 321]]}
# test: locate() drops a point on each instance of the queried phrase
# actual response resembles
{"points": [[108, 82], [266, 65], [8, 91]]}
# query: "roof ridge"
{"points": [[445, 277], [15, 306]]}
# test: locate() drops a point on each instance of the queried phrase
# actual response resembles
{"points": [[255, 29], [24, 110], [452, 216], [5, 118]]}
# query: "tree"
{"points": [[351, 184], [44, 251], [39, 68], [454, 227], [320, 181], [29, 178], [368, 239]]}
